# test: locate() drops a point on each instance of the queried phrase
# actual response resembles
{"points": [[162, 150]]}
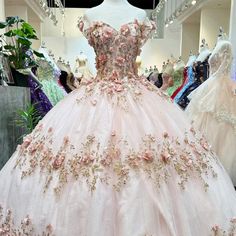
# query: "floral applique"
{"points": [[92, 162], [26, 228]]}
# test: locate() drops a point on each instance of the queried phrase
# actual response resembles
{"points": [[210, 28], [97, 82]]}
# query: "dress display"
{"points": [[82, 71], [116, 158], [177, 77], [201, 73], [38, 97], [212, 107], [189, 77], [167, 76], [48, 77], [184, 82]]}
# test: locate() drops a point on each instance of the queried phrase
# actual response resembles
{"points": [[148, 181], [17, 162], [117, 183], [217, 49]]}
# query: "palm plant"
{"points": [[28, 118]]}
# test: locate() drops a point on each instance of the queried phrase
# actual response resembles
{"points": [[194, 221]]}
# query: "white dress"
{"points": [[213, 107], [115, 158]]}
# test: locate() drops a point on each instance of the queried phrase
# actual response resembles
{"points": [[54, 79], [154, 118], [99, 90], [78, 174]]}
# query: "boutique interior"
{"points": [[47, 55]]}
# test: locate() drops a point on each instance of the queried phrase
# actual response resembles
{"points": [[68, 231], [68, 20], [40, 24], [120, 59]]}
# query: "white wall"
{"points": [[211, 20], [154, 52], [20, 11], [37, 26], [190, 39]]}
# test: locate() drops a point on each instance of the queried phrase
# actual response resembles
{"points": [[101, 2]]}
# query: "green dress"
{"points": [[49, 79], [177, 79]]}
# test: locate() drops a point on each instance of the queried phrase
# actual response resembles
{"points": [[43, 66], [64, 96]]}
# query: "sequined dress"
{"points": [[48, 77], [107, 160], [212, 107]]}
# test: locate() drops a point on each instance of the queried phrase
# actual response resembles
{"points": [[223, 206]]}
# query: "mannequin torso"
{"points": [[114, 13], [191, 60], [204, 53]]}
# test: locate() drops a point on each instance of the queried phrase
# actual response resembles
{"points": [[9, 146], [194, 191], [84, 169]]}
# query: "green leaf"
{"points": [[24, 41], [10, 33], [18, 32], [38, 54], [11, 20], [9, 47], [3, 25]]}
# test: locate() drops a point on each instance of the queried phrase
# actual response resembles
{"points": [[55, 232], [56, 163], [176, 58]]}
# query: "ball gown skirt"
{"points": [[107, 160]]}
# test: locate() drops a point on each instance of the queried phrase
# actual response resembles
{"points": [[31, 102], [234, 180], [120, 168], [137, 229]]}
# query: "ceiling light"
{"points": [[194, 2]]}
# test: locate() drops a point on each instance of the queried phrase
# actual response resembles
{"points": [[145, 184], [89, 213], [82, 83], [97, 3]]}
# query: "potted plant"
{"points": [[15, 44]]}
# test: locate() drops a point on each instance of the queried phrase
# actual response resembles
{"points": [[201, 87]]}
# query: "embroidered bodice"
{"points": [[221, 59], [116, 50], [45, 70]]}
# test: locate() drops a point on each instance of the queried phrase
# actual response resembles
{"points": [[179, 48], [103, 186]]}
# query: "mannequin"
{"points": [[62, 65], [81, 70], [155, 68], [204, 52], [163, 66], [68, 66], [117, 8], [139, 65], [49, 57], [179, 64], [191, 60], [167, 76], [173, 60]]}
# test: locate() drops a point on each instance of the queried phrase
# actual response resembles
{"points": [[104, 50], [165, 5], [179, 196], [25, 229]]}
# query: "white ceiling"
{"points": [[196, 16]]}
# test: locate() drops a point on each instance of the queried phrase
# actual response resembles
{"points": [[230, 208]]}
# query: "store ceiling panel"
{"points": [[144, 4]]}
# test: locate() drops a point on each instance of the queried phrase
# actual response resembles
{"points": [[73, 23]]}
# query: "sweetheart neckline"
{"points": [[135, 21]]}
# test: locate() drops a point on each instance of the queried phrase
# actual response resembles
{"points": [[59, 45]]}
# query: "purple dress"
{"points": [[38, 97]]}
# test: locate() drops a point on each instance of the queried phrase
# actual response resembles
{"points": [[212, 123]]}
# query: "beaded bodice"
{"points": [[116, 50]]}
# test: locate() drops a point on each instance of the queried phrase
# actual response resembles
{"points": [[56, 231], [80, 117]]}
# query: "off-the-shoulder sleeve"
{"points": [[147, 29], [83, 25]]}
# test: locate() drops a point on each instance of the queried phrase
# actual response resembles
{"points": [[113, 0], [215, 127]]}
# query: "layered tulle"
{"points": [[104, 162]]}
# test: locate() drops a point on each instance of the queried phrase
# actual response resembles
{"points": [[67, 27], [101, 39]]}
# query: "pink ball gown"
{"points": [[115, 158]]}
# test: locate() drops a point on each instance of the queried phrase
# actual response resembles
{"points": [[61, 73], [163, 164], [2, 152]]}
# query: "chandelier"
{"points": [[48, 7]]}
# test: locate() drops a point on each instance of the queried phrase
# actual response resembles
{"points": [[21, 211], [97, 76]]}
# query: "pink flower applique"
{"points": [[81, 25], [125, 30], [58, 162], [147, 156], [120, 61]]}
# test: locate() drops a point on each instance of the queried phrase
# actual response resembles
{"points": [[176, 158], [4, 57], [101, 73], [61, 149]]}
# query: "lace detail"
{"points": [[224, 116], [221, 59], [116, 50], [26, 228], [156, 158]]}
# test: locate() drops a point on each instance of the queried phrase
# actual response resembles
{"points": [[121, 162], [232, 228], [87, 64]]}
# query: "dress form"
{"points": [[81, 70], [204, 52], [118, 13], [191, 60], [139, 65], [179, 65]]}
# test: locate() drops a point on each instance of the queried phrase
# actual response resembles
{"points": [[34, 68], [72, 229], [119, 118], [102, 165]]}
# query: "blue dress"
{"points": [[191, 80]]}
